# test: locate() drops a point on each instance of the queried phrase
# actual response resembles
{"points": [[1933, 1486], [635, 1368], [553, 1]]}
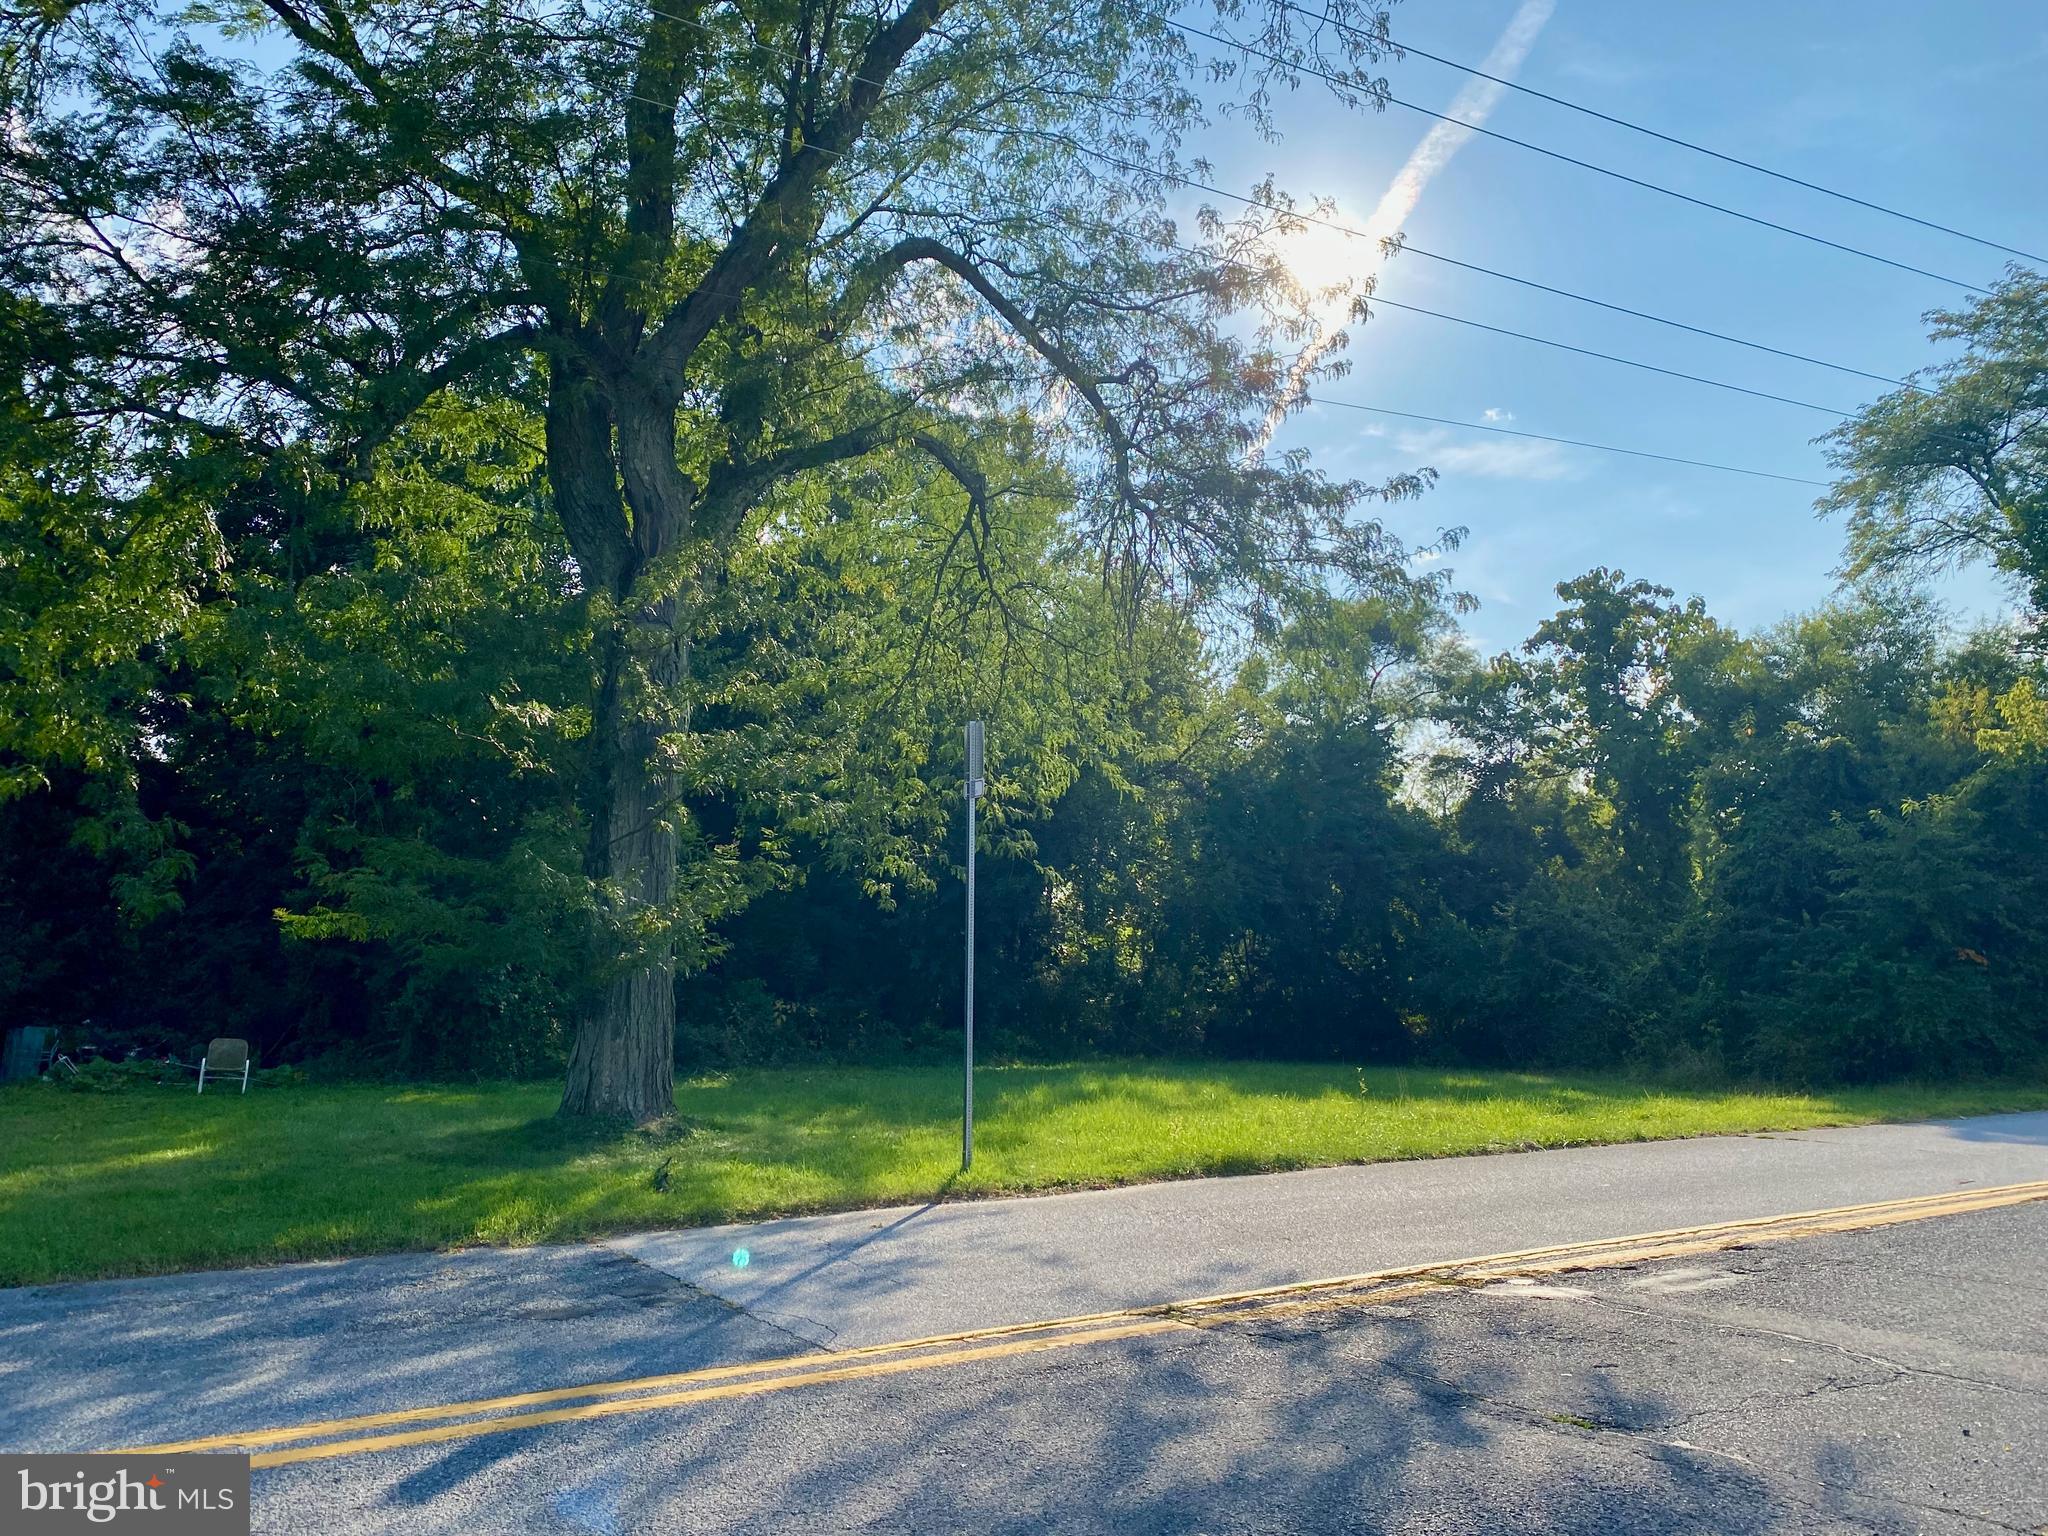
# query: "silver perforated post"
{"points": [[975, 785]]}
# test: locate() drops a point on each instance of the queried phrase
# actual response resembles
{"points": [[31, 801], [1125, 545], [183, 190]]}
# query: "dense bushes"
{"points": [[1820, 853], [330, 809]]}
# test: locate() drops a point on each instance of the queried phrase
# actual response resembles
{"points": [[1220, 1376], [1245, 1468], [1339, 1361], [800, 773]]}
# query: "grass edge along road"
{"points": [[156, 1180], [759, 1377]]}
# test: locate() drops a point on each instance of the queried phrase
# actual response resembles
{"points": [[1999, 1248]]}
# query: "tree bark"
{"points": [[622, 1061]]}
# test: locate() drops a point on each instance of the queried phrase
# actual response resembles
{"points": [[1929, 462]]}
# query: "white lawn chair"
{"points": [[225, 1058]]}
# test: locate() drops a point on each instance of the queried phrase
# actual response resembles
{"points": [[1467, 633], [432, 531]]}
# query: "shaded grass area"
{"points": [[162, 1179]]}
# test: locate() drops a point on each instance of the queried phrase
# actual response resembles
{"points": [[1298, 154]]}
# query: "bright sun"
{"points": [[1322, 256]]}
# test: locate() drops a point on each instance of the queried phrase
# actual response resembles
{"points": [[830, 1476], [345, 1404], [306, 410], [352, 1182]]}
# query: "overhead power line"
{"points": [[1295, 215], [1569, 442], [1607, 357], [1371, 299], [1084, 227], [1669, 138], [1557, 154], [1481, 426], [1543, 341], [1338, 227], [1407, 248], [1539, 437], [1192, 184]]}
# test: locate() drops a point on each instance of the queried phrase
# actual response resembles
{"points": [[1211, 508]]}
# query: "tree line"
{"points": [[1814, 853], [493, 564]]}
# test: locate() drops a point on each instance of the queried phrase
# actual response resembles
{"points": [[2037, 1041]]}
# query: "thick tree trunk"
{"points": [[622, 1061]]}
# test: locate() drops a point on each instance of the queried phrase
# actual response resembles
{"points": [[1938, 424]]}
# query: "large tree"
{"points": [[717, 251], [1953, 467]]}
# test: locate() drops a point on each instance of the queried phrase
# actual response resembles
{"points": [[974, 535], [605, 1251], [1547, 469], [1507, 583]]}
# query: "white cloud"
{"points": [[1494, 413], [1485, 460]]}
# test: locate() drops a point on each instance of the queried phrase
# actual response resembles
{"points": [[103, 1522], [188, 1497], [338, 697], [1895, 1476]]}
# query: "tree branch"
{"points": [[406, 394], [651, 174], [781, 215], [736, 488], [340, 44], [922, 248], [584, 480]]}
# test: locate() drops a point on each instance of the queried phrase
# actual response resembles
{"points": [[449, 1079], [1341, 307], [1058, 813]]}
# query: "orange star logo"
{"points": [[155, 1481]]}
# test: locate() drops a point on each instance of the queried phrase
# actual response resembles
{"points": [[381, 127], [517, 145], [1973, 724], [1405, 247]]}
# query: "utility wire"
{"points": [[1570, 442], [1667, 138], [1297, 216], [1086, 226], [1308, 399], [1405, 248], [1557, 154], [1344, 229], [1474, 426], [1607, 357], [1538, 437], [1544, 341]]}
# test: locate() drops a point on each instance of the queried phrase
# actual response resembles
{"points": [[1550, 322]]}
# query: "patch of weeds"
{"points": [[668, 1130], [1571, 1419], [103, 1076]]}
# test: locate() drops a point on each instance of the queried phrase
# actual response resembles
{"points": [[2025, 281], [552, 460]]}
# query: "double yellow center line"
{"points": [[600, 1400]]}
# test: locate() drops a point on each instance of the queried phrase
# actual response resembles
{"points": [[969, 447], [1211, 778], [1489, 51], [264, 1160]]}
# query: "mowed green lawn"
{"points": [[162, 1179]]}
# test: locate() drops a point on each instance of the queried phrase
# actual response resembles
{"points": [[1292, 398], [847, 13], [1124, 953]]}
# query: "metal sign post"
{"points": [[975, 785]]}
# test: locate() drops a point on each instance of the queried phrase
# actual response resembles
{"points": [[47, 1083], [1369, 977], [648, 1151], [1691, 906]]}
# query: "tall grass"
{"points": [[161, 1179]]}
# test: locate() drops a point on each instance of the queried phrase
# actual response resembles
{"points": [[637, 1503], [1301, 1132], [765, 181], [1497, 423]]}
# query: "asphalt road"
{"points": [[868, 1276], [1892, 1379], [1886, 1381]]}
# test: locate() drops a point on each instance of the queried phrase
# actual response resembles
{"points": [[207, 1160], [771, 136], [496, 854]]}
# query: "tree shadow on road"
{"points": [[1378, 1420]]}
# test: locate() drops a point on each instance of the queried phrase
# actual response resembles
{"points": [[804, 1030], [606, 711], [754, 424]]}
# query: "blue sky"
{"points": [[1937, 109], [1934, 109]]}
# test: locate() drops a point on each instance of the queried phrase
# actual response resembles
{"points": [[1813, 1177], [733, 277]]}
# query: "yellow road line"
{"points": [[763, 1376], [606, 1409], [1568, 1253]]}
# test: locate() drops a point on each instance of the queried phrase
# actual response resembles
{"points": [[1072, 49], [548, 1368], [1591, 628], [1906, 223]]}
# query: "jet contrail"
{"points": [[1472, 105]]}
